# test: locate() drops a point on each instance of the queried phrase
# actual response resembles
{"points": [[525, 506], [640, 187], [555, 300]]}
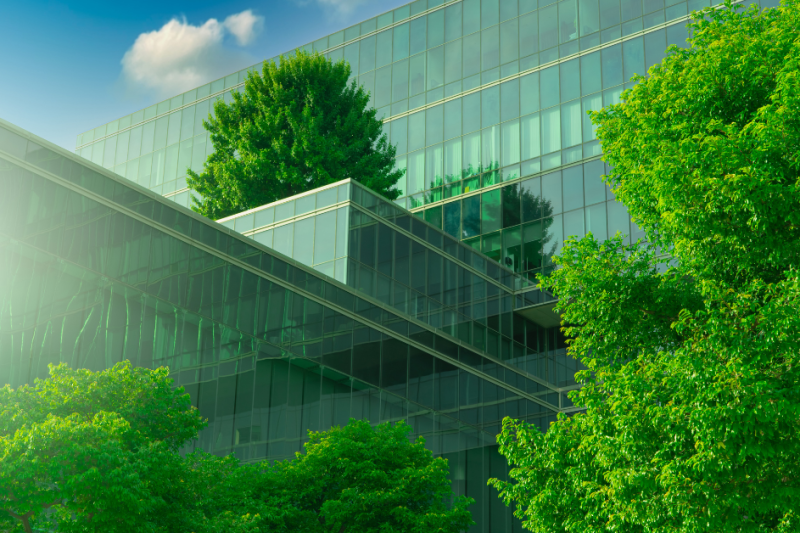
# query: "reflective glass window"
{"points": [[472, 54], [531, 136], [531, 199], [551, 130], [633, 58], [452, 218], [548, 27], [416, 131], [509, 41], [400, 45], [528, 34], [418, 30], [368, 54], [612, 65], [417, 74], [304, 241], [568, 20], [594, 188], [472, 16], [596, 221], [471, 216], [452, 160], [573, 187], [399, 81], [551, 191], [452, 22], [283, 239], [491, 213], [490, 48], [589, 16], [490, 106], [609, 13], [471, 112], [573, 224], [511, 205], [532, 246]]}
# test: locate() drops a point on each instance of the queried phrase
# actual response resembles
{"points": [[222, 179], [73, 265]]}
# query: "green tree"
{"points": [[295, 127], [88, 451], [692, 392], [363, 479]]}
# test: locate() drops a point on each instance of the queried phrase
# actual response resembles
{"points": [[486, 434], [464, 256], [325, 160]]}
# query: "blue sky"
{"points": [[61, 63]]}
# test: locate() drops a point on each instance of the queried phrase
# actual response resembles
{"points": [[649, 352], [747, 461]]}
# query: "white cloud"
{"points": [[180, 56], [245, 26]]}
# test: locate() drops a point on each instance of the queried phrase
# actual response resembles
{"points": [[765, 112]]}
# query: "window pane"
{"points": [[490, 48], [531, 139], [325, 237], [532, 246], [452, 160], [434, 125], [433, 166], [283, 239], [399, 81], [510, 143], [472, 153], [490, 106], [529, 93], [367, 59], [400, 42], [452, 119], [417, 75], [416, 172], [573, 187], [573, 224], [511, 205], [452, 23], [612, 66], [416, 131], [472, 112], [509, 41], [551, 191], [435, 67], [418, 35], [571, 123], [548, 27], [512, 249], [590, 73], [596, 221], [529, 34], [531, 196], [490, 144], [568, 20], [400, 134], [550, 91], [383, 55], [472, 54], [589, 16], [471, 216], [452, 61], [452, 218], [551, 130], [491, 214]]}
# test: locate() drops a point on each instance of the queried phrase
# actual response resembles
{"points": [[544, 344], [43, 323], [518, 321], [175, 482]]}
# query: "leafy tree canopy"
{"points": [[97, 452], [88, 451], [297, 126], [366, 480], [692, 396]]}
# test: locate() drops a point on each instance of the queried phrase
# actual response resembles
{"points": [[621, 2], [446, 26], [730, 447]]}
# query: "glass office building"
{"points": [[95, 269], [336, 303]]}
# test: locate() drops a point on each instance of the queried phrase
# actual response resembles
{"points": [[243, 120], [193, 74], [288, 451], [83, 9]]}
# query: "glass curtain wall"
{"points": [[95, 271]]}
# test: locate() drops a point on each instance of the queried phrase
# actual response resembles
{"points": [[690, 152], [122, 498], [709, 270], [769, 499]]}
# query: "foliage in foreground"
{"points": [[297, 126], [98, 452], [367, 480], [693, 387]]}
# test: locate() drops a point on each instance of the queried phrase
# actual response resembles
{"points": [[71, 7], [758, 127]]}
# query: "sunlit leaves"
{"points": [[693, 388]]}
